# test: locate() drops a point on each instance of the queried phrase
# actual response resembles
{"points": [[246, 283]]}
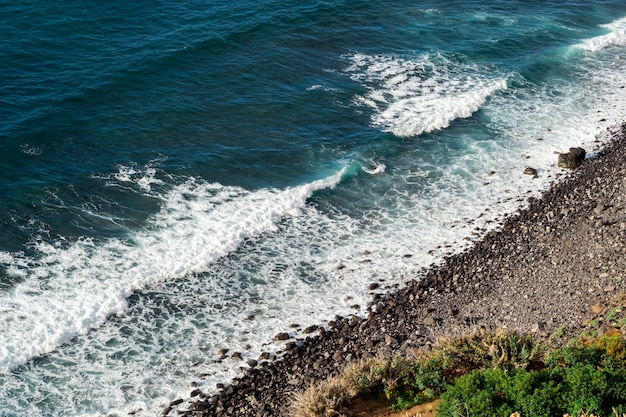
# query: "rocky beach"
{"points": [[548, 269]]}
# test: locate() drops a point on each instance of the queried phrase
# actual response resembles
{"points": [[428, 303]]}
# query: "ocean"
{"points": [[183, 177]]}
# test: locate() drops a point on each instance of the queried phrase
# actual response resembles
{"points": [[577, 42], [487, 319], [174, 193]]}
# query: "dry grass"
{"points": [[326, 399], [500, 349]]}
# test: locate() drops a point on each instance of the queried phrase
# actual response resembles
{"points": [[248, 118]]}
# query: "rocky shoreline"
{"points": [[542, 272]]}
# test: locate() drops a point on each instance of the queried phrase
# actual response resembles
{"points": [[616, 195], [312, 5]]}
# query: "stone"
{"points": [[389, 340], [429, 321], [338, 356], [531, 171], [597, 309], [373, 286], [538, 327], [573, 159], [237, 356], [281, 336], [252, 363], [310, 329], [176, 402]]}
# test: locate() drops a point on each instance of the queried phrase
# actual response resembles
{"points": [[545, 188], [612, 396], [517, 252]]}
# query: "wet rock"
{"points": [[573, 159], [531, 171], [281, 336], [373, 286], [310, 329], [176, 402]]}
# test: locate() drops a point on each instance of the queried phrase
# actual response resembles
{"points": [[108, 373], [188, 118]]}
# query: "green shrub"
{"points": [[578, 380], [373, 376], [431, 375], [497, 393], [420, 382]]}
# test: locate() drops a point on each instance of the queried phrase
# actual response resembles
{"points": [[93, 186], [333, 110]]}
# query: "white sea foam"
{"points": [[144, 177], [414, 96], [71, 289], [616, 36]]}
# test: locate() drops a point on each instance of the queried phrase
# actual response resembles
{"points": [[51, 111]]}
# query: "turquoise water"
{"points": [[177, 178]]}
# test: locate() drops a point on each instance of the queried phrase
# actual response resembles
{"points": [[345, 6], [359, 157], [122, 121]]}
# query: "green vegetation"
{"points": [[578, 379], [489, 374]]}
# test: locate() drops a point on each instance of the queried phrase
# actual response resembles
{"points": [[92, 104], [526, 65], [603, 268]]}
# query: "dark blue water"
{"points": [[169, 170]]}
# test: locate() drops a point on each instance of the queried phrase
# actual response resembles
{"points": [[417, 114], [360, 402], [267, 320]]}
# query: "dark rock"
{"points": [[195, 393], [281, 336], [176, 402], [373, 286], [573, 159], [237, 356], [531, 171], [252, 363]]}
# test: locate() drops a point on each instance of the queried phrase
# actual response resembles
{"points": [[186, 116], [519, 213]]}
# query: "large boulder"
{"points": [[572, 159]]}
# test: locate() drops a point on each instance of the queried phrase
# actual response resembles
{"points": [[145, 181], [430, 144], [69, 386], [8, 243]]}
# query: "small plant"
{"points": [[500, 349], [373, 376], [327, 399], [420, 382], [614, 314], [558, 333]]}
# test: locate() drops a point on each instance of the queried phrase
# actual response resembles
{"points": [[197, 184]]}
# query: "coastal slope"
{"points": [[545, 271]]}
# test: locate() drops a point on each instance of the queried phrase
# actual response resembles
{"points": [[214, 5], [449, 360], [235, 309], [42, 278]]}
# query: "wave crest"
{"points": [[616, 36], [414, 96]]}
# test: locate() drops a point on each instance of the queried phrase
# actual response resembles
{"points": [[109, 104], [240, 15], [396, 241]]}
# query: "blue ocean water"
{"points": [[182, 177]]}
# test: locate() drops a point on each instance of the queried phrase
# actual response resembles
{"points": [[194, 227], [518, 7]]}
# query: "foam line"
{"points": [[414, 96], [616, 36], [70, 290], [424, 114]]}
